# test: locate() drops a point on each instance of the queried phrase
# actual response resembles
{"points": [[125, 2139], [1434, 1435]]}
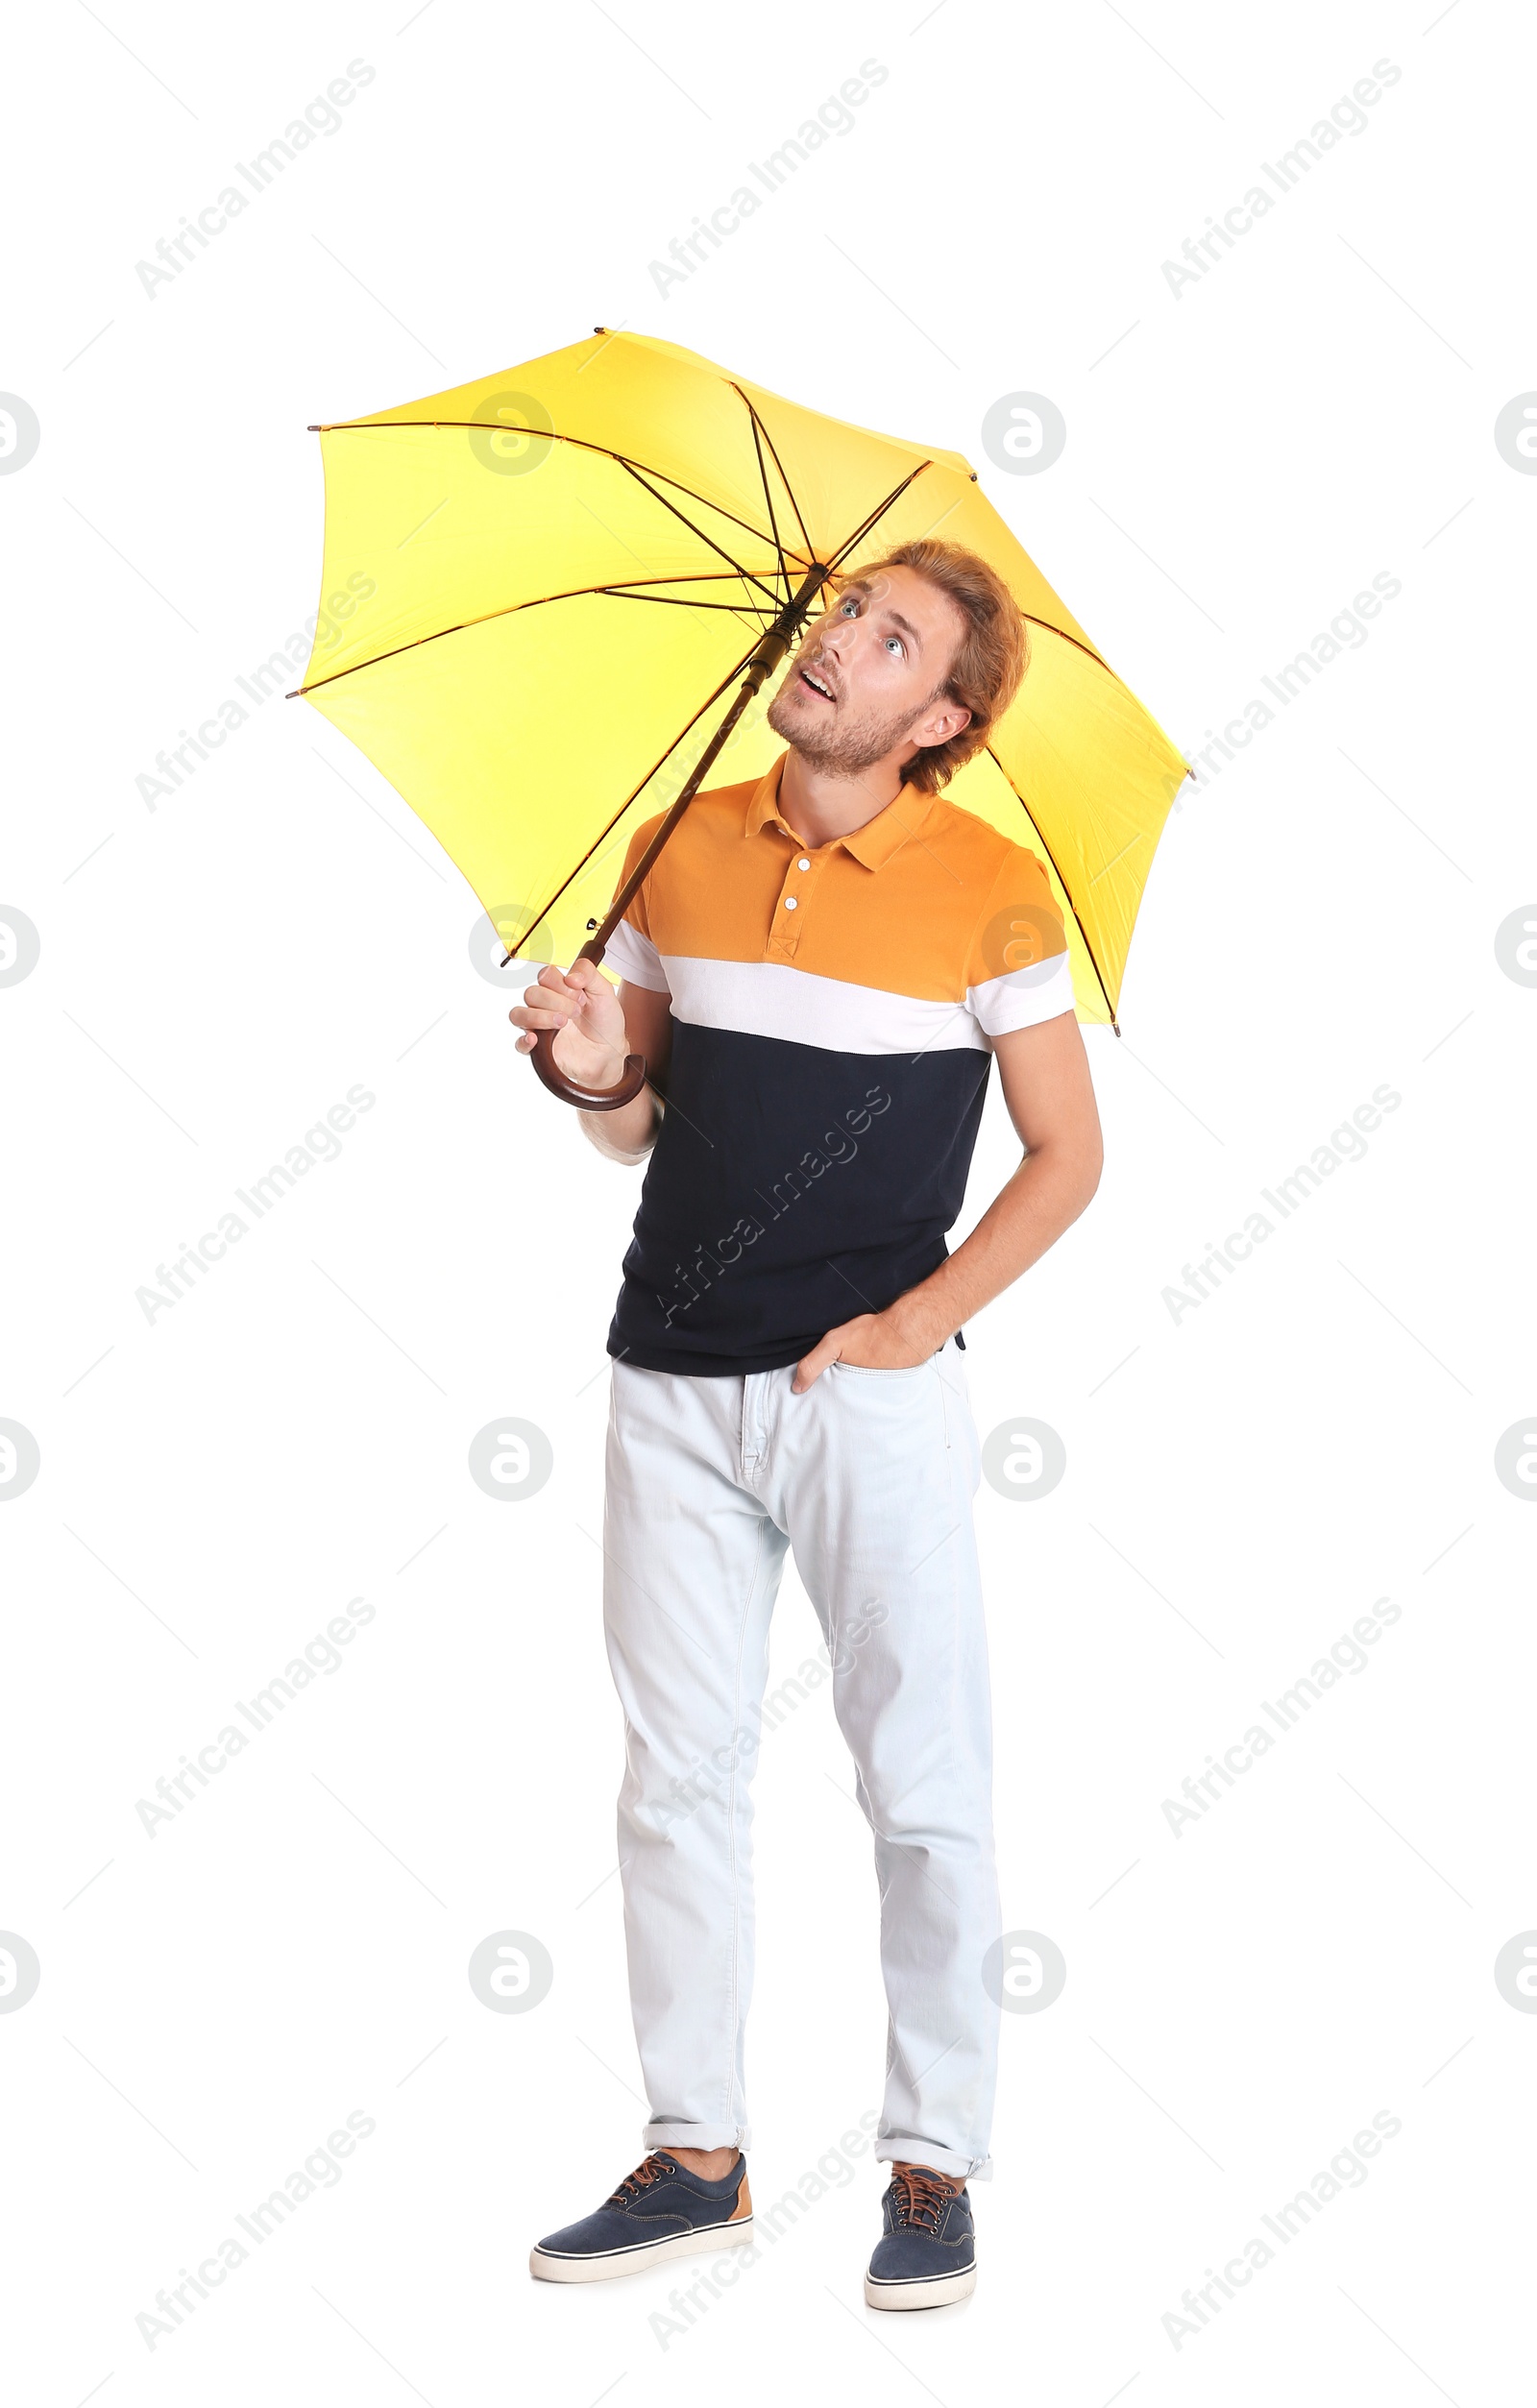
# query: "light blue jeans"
{"points": [[869, 1477]]}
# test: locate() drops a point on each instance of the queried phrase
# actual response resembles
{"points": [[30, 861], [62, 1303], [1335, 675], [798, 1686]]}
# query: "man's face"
{"points": [[868, 678]]}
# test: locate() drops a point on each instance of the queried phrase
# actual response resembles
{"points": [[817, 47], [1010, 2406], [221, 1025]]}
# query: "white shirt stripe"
{"points": [[775, 999]]}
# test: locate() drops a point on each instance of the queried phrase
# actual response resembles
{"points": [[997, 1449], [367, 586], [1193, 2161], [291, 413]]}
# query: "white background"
{"points": [[1242, 1484]]}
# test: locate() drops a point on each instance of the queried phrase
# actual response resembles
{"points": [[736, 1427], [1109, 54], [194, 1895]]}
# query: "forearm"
{"points": [[1045, 1196], [628, 1135]]}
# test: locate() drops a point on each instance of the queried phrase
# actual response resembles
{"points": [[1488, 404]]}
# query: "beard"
{"points": [[833, 742]]}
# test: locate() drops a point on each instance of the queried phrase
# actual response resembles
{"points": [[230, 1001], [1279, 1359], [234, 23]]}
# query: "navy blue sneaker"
{"points": [[660, 2210], [927, 2253]]}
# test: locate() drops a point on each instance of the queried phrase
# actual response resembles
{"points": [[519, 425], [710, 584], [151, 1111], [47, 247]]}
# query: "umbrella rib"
{"points": [[861, 533], [604, 833], [674, 601], [1060, 880], [686, 577], [634, 590], [573, 594], [783, 478], [763, 475], [1076, 642], [547, 434], [629, 594], [769, 501], [746, 575], [877, 514]]}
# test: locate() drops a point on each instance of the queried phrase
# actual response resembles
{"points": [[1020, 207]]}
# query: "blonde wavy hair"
{"points": [[992, 660]]}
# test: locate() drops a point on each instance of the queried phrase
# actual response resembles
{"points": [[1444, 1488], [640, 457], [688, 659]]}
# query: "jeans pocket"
{"points": [[874, 1371]]}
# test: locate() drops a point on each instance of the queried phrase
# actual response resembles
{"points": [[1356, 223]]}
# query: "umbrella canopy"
{"points": [[539, 589]]}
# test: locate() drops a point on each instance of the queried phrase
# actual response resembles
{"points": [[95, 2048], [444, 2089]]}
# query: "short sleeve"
{"points": [[630, 953], [1019, 972]]}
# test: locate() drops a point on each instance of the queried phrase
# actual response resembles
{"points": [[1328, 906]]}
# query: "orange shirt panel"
{"points": [[949, 904]]}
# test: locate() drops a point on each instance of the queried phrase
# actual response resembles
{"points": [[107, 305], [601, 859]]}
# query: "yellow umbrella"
{"points": [[537, 587]]}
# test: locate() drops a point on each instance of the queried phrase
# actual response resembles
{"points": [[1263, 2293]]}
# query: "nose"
{"points": [[831, 634]]}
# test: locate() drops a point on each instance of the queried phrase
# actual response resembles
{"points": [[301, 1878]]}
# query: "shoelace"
{"points": [[650, 2170], [921, 2197]]}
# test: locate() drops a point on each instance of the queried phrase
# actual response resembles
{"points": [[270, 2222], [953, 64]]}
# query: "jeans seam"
{"points": [[731, 1831], [960, 1505]]}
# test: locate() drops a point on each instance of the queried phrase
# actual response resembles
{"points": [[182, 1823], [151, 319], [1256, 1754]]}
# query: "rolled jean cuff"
{"points": [[698, 2136], [904, 2150]]}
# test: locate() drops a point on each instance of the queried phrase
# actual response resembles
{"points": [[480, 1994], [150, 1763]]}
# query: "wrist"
{"points": [[610, 1071], [917, 1324]]}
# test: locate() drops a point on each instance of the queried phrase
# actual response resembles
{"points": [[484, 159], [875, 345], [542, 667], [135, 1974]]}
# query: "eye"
{"points": [[849, 609], [895, 643]]}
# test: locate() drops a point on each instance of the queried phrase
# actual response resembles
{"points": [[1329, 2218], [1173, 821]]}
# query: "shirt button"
{"points": [[789, 902], [803, 864]]}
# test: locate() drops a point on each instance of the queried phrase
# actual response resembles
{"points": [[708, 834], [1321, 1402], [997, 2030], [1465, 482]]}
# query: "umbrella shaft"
{"points": [[777, 642]]}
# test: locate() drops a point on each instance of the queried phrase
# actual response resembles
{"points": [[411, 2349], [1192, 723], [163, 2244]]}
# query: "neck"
{"points": [[820, 804]]}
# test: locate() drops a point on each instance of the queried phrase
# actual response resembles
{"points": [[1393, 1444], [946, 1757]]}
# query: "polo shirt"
{"points": [[833, 1011]]}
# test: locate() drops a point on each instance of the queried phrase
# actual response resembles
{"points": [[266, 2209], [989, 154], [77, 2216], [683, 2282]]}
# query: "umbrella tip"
{"points": [[599, 329]]}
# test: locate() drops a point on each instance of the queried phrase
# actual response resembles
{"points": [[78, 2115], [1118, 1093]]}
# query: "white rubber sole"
{"points": [[546, 2268], [934, 2294]]}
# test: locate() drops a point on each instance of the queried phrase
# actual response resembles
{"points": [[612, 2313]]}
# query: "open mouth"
{"points": [[817, 685]]}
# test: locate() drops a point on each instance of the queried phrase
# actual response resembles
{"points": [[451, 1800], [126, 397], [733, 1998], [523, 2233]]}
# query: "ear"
{"points": [[937, 725]]}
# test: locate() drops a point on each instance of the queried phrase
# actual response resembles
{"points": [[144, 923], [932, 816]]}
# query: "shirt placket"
{"points": [[797, 889]]}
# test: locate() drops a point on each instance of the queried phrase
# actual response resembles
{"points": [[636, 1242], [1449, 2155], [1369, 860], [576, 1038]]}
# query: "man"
{"points": [[816, 971]]}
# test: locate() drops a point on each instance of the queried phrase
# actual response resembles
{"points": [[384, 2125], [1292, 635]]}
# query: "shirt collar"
{"points": [[872, 844]]}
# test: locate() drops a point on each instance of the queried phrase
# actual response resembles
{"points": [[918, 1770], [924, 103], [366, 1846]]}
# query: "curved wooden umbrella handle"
{"points": [[586, 1099]]}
